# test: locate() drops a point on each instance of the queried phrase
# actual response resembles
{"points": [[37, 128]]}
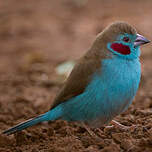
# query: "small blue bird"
{"points": [[102, 84]]}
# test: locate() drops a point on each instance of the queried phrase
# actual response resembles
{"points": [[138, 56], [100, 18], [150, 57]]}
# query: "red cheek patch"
{"points": [[120, 48]]}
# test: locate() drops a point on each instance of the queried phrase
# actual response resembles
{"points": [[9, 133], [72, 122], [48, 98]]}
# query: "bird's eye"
{"points": [[126, 39]]}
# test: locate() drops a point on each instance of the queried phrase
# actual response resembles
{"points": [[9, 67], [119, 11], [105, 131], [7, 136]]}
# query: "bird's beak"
{"points": [[140, 40]]}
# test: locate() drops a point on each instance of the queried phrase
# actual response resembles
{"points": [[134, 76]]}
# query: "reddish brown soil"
{"points": [[37, 35]]}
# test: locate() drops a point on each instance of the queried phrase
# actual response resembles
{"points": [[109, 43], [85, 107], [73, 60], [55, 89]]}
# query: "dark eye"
{"points": [[126, 39]]}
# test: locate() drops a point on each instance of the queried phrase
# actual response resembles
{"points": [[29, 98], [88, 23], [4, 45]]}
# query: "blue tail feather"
{"points": [[50, 115]]}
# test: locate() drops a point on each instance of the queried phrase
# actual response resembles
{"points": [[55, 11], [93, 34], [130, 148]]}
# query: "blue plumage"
{"points": [[103, 98], [102, 85], [109, 93]]}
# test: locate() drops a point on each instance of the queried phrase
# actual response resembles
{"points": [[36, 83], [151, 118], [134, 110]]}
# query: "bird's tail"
{"points": [[53, 114]]}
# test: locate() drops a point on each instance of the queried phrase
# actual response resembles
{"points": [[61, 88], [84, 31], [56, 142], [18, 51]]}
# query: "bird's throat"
{"points": [[121, 48]]}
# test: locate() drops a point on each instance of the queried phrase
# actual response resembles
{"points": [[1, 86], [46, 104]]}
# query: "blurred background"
{"points": [[39, 39]]}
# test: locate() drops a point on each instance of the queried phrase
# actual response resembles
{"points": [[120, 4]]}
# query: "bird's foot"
{"points": [[119, 126], [91, 132]]}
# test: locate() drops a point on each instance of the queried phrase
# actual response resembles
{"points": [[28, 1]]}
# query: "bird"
{"points": [[102, 84]]}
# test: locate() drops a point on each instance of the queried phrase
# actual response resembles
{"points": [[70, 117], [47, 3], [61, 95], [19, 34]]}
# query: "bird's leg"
{"points": [[120, 126], [91, 133]]}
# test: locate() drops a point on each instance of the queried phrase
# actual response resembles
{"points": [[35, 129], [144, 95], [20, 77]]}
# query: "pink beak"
{"points": [[140, 40]]}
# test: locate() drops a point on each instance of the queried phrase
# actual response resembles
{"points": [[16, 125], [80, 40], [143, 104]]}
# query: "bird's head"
{"points": [[121, 39]]}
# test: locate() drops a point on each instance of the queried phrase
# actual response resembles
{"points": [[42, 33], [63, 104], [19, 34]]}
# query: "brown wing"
{"points": [[78, 79]]}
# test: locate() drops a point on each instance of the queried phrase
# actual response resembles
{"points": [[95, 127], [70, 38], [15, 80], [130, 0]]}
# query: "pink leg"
{"points": [[122, 127], [91, 133]]}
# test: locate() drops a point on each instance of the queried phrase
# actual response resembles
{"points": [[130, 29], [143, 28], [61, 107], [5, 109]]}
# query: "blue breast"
{"points": [[109, 93]]}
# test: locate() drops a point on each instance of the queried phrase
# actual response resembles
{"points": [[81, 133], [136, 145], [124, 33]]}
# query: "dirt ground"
{"points": [[36, 36]]}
